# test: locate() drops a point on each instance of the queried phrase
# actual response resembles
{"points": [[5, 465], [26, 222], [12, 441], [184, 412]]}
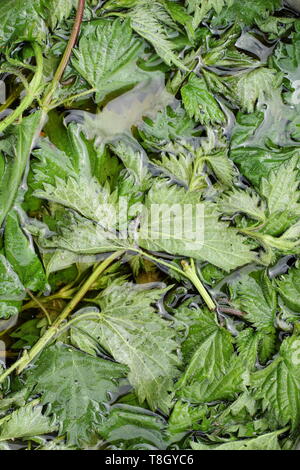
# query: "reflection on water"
{"points": [[125, 111]]}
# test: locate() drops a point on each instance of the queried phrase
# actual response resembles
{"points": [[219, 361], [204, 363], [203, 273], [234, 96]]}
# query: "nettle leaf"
{"points": [[256, 162], [214, 372], [12, 291], [106, 57], [27, 20], [256, 296], [185, 417], [265, 442], [135, 160], [79, 235], [221, 165], [17, 150], [147, 20], [247, 344], [77, 386], [278, 384], [248, 13], [26, 422], [130, 329], [289, 289], [255, 85], [181, 16], [200, 102], [255, 346], [133, 428], [179, 167], [55, 11], [287, 57], [184, 227], [281, 189], [20, 22], [21, 255], [58, 180], [200, 8], [243, 201]]}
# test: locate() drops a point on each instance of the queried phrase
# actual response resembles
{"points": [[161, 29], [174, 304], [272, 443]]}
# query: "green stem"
{"points": [[28, 356], [60, 295], [15, 94], [189, 272], [72, 98], [30, 97], [40, 305], [65, 59]]}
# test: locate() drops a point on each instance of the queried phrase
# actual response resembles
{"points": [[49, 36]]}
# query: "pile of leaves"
{"points": [[133, 342]]}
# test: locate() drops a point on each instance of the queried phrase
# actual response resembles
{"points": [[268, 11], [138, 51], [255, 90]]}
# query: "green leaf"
{"points": [[106, 57], [255, 162], [213, 372], [169, 124], [11, 287], [253, 86], [281, 189], [57, 10], [19, 147], [26, 422], [243, 201], [200, 103], [135, 160], [77, 386], [64, 182], [133, 428], [180, 14], [146, 19], [79, 235], [257, 297], [218, 244], [287, 57], [20, 254], [249, 13], [185, 417], [130, 329], [265, 442], [202, 7], [289, 289], [20, 22], [278, 384]]}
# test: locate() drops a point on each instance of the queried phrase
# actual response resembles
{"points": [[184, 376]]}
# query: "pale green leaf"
{"points": [[289, 289], [146, 21], [200, 102], [77, 385], [243, 201], [281, 189], [255, 85], [265, 442], [26, 422], [172, 228], [278, 385], [106, 57], [130, 329]]}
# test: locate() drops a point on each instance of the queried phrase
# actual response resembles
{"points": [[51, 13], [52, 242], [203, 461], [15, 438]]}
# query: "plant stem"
{"points": [[65, 59], [15, 94], [28, 356], [40, 305], [232, 311], [189, 272], [72, 98], [31, 95]]}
